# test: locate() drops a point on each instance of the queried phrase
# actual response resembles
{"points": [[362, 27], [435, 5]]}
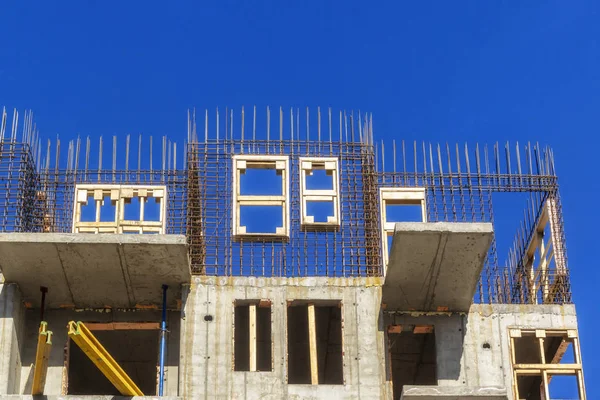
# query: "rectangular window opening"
{"points": [[412, 352], [527, 350], [132, 209], [319, 179], [403, 212], [88, 211], [108, 210], [244, 335], [320, 210], [558, 349], [135, 350], [261, 219], [261, 181], [152, 208], [563, 387], [328, 338]]}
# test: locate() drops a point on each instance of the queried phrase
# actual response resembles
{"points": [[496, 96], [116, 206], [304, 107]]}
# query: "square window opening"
{"points": [[136, 351], [132, 209], [152, 209], [320, 210], [261, 181], [558, 349], [403, 212], [319, 179], [88, 211], [563, 387], [261, 219], [243, 337], [328, 339], [108, 210], [565, 354], [527, 350], [413, 358]]}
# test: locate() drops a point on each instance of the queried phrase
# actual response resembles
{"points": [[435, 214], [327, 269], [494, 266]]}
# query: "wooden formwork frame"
{"points": [[119, 195], [281, 165], [398, 196], [548, 368], [331, 167], [42, 356]]}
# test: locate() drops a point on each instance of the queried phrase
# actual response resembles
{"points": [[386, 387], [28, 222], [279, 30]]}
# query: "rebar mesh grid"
{"points": [[37, 195]]}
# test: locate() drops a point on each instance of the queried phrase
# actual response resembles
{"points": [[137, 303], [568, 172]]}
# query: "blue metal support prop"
{"points": [[163, 341]]}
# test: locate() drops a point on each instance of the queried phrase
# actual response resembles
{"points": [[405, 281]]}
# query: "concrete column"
{"points": [[11, 328]]}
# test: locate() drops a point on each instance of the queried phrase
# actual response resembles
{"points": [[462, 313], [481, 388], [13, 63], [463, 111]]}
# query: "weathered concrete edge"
{"points": [[487, 310], [281, 281], [453, 391], [439, 227], [82, 238]]}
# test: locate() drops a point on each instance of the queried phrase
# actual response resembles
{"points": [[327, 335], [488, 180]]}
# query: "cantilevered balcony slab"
{"points": [[452, 393], [435, 266], [95, 271]]}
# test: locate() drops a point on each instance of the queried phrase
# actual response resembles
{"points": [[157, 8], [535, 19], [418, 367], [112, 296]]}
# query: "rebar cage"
{"points": [[37, 194]]}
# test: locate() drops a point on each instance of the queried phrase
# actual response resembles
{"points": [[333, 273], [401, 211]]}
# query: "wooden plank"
{"points": [[422, 329], [546, 394], [92, 348], [581, 385], [252, 324], [115, 326], [312, 339], [553, 367], [42, 356]]}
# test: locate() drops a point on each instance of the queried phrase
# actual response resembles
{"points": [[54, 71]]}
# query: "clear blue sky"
{"points": [[440, 71]]}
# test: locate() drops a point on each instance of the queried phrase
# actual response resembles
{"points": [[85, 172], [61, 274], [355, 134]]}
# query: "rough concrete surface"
{"points": [[472, 348], [95, 271], [28, 397], [453, 393], [434, 265], [206, 368]]}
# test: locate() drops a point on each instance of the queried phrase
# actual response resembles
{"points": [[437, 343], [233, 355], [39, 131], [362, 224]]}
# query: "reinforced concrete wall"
{"points": [[12, 325], [207, 339], [472, 349], [464, 359]]}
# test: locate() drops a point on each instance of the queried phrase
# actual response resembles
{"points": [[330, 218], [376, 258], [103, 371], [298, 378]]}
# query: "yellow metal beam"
{"points": [[92, 348], [42, 355]]}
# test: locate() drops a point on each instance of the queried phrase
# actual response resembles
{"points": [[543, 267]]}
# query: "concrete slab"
{"points": [[453, 393], [435, 266], [94, 271]]}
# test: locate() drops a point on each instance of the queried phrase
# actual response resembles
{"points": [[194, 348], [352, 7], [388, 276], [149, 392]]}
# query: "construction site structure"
{"points": [[281, 254]]}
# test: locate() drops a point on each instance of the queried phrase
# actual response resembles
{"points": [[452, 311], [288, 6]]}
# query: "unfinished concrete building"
{"points": [[280, 255]]}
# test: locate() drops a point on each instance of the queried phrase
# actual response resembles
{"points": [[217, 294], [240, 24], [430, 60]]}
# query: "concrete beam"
{"points": [[435, 266], [452, 393], [95, 271]]}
